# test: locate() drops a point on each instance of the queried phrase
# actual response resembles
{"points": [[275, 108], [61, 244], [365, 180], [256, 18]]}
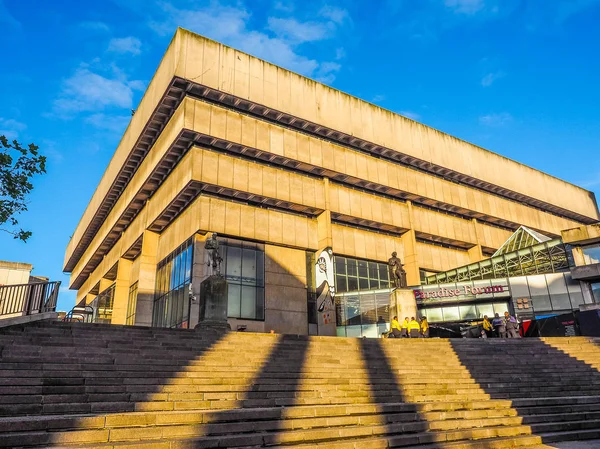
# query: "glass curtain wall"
{"points": [[132, 304], [362, 314], [244, 268], [357, 274], [103, 306], [547, 257], [362, 297], [173, 278]]}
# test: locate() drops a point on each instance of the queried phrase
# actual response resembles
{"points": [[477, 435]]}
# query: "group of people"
{"points": [[502, 327], [409, 328]]}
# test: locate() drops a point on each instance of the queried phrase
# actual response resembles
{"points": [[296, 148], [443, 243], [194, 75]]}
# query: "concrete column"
{"points": [[476, 253], [409, 243], [578, 256], [200, 271], [324, 221], [121, 299], [147, 278], [403, 304]]}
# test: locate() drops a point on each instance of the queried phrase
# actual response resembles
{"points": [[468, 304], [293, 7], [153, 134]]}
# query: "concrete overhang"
{"points": [[582, 235], [589, 273]]}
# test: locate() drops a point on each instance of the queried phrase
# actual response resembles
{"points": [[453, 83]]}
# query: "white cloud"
{"points": [[411, 115], [377, 98], [468, 7], [335, 14], [112, 123], [340, 53], [297, 32], [284, 6], [87, 90], [490, 78], [125, 45], [495, 120], [11, 128], [231, 25]]}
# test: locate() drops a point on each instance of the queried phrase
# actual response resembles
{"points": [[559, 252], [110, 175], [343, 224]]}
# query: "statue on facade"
{"points": [[214, 257], [397, 273]]}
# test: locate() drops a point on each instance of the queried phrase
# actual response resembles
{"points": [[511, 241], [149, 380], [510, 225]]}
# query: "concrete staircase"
{"points": [[100, 386]]}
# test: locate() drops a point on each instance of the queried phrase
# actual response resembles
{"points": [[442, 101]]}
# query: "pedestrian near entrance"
{"points": [[499, 326], [424, 327], [511, 325], [395, 330], [405, 327], [487, 327], [413, 328]]}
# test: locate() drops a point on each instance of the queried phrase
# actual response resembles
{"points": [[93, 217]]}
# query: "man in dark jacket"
{"points": [[511, 325], [499, 326]]}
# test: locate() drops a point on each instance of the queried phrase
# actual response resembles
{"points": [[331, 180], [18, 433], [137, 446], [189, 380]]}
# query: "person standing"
{"points": [[487, 327], [499, 326], [424, 327], [405, 327], [413, 328], [395, 330], [511, 326]]}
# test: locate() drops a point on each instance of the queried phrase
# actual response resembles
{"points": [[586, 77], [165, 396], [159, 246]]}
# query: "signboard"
{"points": [[325, 304], [465, 290]]}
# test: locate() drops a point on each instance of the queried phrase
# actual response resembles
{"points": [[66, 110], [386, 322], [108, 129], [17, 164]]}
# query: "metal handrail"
{"points": [[76, 314], [28, 299]]}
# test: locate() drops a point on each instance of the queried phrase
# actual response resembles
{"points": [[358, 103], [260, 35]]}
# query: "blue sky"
{"points": [[518, 77]]}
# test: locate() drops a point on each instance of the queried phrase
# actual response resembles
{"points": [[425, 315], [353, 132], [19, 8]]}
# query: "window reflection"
{"points": [[244, 268], [173, 278], [591, 254], [356, 274]]}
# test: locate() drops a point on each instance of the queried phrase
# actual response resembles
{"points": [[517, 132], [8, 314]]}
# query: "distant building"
{"points": [[14, 273], [305, 186], [24, 294]]}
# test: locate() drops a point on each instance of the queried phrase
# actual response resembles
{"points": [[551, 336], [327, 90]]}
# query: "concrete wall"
{"points": [[14, 273]]}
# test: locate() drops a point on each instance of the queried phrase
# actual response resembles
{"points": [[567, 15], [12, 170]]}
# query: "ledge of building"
{"points": [[582, 235], [586, 272], [15, 265], [16, 320]]}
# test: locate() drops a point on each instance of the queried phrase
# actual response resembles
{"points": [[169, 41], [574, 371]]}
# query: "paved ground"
{"points": [[589, 444]]}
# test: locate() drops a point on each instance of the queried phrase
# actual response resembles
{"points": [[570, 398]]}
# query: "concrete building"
{"points": [[584, 244], [14, 273], [305, 185], [23, 294]]}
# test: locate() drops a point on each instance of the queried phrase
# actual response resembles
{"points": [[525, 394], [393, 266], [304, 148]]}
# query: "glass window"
{"points": [[434, 314], [245, 273], [356, 274], [451, 313], [500, 308], [596, 291], [485, 309], [591, 254], [103, 305], [173, 278], [468, 312], [132, 304]]}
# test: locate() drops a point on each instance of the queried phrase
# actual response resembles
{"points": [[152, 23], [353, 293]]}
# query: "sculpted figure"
{"points": [[397, 273], [214, 258]]}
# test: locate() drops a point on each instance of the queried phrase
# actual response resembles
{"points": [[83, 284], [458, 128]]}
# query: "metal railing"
{"points": [[28, 299], [80, 314]]}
